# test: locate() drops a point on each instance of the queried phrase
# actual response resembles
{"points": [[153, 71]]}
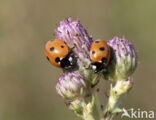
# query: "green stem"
{"points": [[112, 101], [121, 87], [89, 117], [92, 113], [98, 105]]}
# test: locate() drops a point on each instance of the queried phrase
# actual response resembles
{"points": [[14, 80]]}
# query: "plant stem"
{"points": [[94, 114], [89, 117], [120, 87]]}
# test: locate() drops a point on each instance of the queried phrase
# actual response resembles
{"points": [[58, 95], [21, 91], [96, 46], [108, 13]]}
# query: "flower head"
{"points": [[77, 39], [71, 85], [124, 61]]}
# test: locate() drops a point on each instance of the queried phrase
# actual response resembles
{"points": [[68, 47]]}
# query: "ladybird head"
{"points": [[68, 62]]}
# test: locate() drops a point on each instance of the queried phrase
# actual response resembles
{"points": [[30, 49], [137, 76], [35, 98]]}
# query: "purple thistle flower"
{"points": [[76, 38], [124, 59], [77, 88], [71, 85]]}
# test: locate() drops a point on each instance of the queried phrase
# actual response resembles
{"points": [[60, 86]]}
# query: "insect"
{"points": [[58, 54], [99, 55]]}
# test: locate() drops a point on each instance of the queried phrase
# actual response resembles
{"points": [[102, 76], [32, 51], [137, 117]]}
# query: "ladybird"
{"points": [[59, 55], [99, 55]]}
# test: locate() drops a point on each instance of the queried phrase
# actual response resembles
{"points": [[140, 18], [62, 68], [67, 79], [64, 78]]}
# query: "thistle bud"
{"points": [[76, 38], [71, 85], [123, 59]]}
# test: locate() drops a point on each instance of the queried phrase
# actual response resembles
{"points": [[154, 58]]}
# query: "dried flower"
{"points": [[123, 61], [71, 85]]}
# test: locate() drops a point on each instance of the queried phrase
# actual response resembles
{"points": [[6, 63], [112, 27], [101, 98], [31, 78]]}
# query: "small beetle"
{"points": [[58, 54], [99, 55]]}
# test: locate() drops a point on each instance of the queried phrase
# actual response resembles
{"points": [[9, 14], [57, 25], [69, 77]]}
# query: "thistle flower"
{"points": [[123, 61], [77, 38], [77, 86], [71, 85]]}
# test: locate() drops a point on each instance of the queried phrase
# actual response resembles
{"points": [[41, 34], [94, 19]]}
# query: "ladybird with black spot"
{"points": [[59, 55], [99, 55]]}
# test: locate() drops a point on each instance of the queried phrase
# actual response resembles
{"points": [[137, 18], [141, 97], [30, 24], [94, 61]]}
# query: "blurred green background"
{"points": [[27, 80]]}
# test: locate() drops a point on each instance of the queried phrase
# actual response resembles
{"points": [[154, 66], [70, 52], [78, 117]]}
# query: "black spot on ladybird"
{"points": [[57, 59], [96, 41], [93, 52], [102, 48], [62, 46], [52, 48]]}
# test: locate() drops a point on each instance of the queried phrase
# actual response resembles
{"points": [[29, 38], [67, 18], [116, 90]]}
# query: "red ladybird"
{"points": [[99, 55], [58, 54]]}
